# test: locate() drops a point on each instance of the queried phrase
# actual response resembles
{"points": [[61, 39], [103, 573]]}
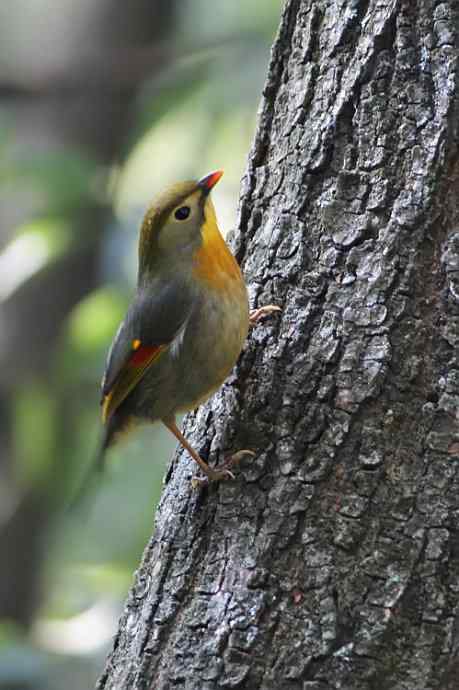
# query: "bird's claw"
{"points": [[237, 457], [257, 314], [222, 473], [212, 476]]}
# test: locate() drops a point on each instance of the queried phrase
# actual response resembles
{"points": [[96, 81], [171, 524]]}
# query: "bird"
{"points": [[186, 324]]}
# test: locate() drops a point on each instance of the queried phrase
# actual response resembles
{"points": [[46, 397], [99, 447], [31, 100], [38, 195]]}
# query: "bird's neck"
{"points": [[213, 262], [177, 264]]}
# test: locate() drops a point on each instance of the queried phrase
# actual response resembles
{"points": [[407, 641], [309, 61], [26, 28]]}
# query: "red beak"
{"points": [[209, 181]]}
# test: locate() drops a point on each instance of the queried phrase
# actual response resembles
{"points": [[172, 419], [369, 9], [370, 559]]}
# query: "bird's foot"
{"points": [[257, 314], [211, 476], [223, 472]]}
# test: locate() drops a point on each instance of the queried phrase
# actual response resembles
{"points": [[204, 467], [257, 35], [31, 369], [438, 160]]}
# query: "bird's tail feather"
{"points": [[92, 475]]}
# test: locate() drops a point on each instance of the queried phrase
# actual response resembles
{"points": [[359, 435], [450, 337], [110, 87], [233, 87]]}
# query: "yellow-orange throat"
{"points": [[213, 261]]}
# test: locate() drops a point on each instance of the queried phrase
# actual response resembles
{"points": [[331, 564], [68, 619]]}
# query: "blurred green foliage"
{"points": [[196, 115], [62, 180]]}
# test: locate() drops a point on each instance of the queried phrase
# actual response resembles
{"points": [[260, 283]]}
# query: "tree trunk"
{"points": [[333, 559]]}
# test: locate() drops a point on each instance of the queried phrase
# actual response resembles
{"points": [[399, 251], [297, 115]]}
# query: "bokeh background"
{"points": [[101, 105]]}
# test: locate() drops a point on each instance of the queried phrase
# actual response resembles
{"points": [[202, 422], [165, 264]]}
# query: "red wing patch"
{"points": [[141, 357], [143, 354]]}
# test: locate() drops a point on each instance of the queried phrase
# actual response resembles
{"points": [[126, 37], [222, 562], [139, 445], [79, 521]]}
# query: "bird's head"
{"points": [[172, 229]]}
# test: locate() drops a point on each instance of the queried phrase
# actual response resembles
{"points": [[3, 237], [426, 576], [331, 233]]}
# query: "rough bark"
{"points": [[333, 559]]}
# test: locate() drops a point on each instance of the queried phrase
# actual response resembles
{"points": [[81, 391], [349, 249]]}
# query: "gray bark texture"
{"points": [[333, 559]]}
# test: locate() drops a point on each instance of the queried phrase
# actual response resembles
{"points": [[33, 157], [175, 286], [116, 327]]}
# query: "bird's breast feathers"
{"points": [[213, 263]]}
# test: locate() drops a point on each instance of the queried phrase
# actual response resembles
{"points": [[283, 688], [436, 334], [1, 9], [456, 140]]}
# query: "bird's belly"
{"points": [[211, 347], [198, 362]]}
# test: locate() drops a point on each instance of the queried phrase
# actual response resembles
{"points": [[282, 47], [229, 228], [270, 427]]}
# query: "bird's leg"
{"points": [[257, 314], [213, 475]]}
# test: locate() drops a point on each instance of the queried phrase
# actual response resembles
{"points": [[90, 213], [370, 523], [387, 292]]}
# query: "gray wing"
{"points": [[156, 316]]}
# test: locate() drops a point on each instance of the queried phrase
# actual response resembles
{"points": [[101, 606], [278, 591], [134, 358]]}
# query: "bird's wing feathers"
{"points": [[154, 320], [130, 374]]}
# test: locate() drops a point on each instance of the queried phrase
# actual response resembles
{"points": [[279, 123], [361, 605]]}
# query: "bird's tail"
{"points": [[92, 475]]}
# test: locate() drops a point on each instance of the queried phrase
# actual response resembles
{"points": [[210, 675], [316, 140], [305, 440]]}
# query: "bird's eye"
{"points": [[182, 213]]}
